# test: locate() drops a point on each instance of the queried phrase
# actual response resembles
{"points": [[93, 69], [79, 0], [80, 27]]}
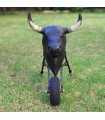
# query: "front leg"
{"points": [[70, 71], [43, 63]]}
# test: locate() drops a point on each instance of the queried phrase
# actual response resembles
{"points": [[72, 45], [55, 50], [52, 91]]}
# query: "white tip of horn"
{"points": [[76, 26], [33, 25]]}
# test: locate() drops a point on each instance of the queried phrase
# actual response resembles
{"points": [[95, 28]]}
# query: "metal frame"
{"points": [[66, 63], [48, 80]]}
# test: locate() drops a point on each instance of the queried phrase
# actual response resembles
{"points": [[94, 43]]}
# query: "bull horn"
{"points": [[33, 25], [75, 26]]}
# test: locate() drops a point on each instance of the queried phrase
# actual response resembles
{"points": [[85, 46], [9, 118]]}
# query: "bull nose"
{"points": [[54, 50]]}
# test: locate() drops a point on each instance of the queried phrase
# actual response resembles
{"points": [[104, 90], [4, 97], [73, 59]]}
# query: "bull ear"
{"points": [[33, 25], [75, 26]]}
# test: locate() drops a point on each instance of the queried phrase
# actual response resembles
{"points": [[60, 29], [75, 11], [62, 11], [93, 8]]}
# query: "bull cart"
{"points": [[54, 53]]}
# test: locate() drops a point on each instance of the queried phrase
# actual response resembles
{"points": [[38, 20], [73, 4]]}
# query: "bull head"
{"points": [[54, 42]]}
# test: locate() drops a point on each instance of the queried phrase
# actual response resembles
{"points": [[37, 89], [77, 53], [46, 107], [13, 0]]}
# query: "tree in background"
{"points": [[4, 10]]}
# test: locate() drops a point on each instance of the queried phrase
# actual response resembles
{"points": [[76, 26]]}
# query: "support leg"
{"points": [[43, 62], [48, 80], [70, 71], [48, 90], [61, 82]]}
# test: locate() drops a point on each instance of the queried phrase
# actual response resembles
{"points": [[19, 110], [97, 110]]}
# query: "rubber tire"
{"points": [[54, 91]]}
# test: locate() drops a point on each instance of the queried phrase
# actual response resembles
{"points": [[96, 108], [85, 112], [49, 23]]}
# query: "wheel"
{"points": [[54, 91]]}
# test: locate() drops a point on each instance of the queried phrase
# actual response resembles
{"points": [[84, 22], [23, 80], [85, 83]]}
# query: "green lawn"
{"points": [[21, 86]]}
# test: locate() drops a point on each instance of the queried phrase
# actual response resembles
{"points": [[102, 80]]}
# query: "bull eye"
{"points": [[59, 49], [49, 49], [45, 36]]}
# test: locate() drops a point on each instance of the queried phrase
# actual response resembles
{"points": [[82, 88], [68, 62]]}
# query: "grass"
{"points": [[22, 88]]}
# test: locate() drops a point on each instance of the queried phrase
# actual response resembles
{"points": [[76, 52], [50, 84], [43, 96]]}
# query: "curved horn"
{"points": [[33, 25], [75, 26]]}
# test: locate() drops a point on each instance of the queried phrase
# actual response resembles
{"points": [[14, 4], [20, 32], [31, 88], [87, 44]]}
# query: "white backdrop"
{"points": [[52, 3]]}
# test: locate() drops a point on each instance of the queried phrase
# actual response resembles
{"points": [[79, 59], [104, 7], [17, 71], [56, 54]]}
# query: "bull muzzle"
{"points": [[54, 50]]}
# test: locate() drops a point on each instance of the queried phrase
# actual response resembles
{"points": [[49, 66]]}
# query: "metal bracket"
{"points": [[48, 78]]}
